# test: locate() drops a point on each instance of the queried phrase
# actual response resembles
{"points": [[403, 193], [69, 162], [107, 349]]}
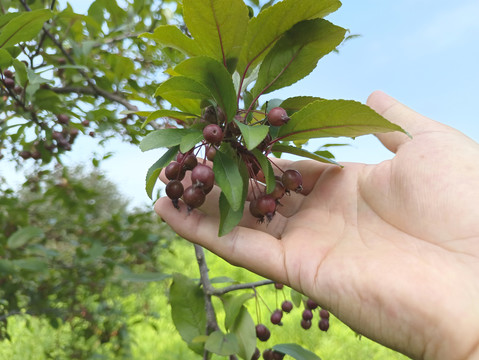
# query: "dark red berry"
{"points": [[323, 324], [256, 354], [194, 197], [211, 153], [292, 180], [253, 209], [278, 355], [18, 89], [202, 176], [85, 122], [174, 189], [306, 324], [9, 83], [213, 134], [276, 316], [278, 191], [262, 332], [307, 314], [324, 314], [266, 206], [8, 74], [277, 116], [287, 306], [25, 154], [310, 304], [174, 171], [268, 354], [278, 286], [190, 162], [63, 119], [37, 155]]}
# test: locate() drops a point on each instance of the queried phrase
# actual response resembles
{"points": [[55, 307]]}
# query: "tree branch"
{"points": [[252, 285]]}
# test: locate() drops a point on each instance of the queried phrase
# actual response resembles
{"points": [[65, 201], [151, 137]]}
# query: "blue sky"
{"points": [[425, 53]]}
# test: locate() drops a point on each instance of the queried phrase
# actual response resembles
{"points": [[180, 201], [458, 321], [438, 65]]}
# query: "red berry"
{"points": [[324, 314], [63, 119], [211, 153], [305, 324], [268, 354], [8, 74], [256, 354], [194, 197], [278, 355], [9, 83], [266, 206], [292, 180], [262, 332], [278, 286], [174, 171], [323, 324], [213, 134], [25, 154], [310, 304], [203, 176], [277, 116], [190, 161], [287, 306], [278, 191], [307, 314], [276, 316], [174, 189], [253, 209]]}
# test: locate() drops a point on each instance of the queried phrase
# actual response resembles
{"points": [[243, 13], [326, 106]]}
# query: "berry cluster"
{"points": [[216, 131]]}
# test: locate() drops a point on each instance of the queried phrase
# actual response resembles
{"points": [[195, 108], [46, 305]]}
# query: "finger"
{"points": [[399, 114], [252, 249]]}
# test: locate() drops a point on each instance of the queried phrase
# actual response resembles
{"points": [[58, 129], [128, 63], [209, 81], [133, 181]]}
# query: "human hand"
{"points": [[391, 249]]}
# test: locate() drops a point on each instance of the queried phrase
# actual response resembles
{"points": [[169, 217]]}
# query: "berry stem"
{"points": [[272, 162]]}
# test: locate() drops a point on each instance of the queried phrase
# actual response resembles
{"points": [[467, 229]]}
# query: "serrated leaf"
{"points": [[303, 153], [184, 93], [214, 76], [244, 329], [222, 344], [188, 310], [296, 103], [252, 135], [229, 218], [164, 138], [155, 169], [171, 36], [228, 178], [297, 53], [190, 140], [219, 26], [232, 305], [296, 351], [23, 236], [268, 172], [333, 118], [272, 22], [171, 114], [23, 27]]}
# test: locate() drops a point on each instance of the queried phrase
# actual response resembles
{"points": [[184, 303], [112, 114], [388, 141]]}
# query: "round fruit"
{"points": [[268, 354], [262, 332], [202, 176], [324, 314], [25, 154], [193, 197], [174, 189], [266, 206], [287, 306], [310, 304], [278, 191], [8, 74], [63, 119], [323, 324], [190, 162], [85, 122], [306, 324], [256, 354], [9, 83], [276, 316], [174, 171], [277, 116], [292, 180], [278, 286], [213, 134], [253, 209], [211, 153], [307, 314], [278, 355]]}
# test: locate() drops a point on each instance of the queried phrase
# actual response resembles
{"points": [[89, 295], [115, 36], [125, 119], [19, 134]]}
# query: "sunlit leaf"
{"points": [[23, 27], [229, 218], [232, 305], [155, 169], [23, 236], [172, 36], [303, 153], [296, 351], [244, 329], [228, 178], [222, 344], [252, 135]]}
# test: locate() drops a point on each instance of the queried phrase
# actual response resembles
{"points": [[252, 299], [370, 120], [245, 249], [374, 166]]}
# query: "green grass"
{"points": [[154, 338]]}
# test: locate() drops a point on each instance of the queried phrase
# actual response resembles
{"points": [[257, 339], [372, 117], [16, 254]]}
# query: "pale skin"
{"points": [[390, 249]]}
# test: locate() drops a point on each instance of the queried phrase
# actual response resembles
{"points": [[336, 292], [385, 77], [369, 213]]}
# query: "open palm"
{"points": [[391, 249]]}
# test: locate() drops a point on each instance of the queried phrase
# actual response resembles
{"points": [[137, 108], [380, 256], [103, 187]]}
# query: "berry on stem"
{"points": [[262, 332], [174, 171], [306, 324], [213, 134], [307, 314], [202, 176], [276, 317], [310, 304], [194, 197], [277, 116], [292, 180], [323, 324]]}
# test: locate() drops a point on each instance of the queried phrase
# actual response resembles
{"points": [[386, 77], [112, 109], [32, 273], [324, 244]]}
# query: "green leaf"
{"points": [[296, 103], [303, 153], [188, 310], [228, 177], [219, 26], [171, 36], [297, 53], [229, 218], [244, 329], [31, 264], [179, 91], [215, 77], [265, 29], [147, 276], [23, 27], [190, 140], [268, 172], [333, 118], [155, 169], [222, 344], [164, 138], [232, 305], [252, 135], [171, 114], [5, 59], [296, 351], [296, 297], [23, 236]]}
